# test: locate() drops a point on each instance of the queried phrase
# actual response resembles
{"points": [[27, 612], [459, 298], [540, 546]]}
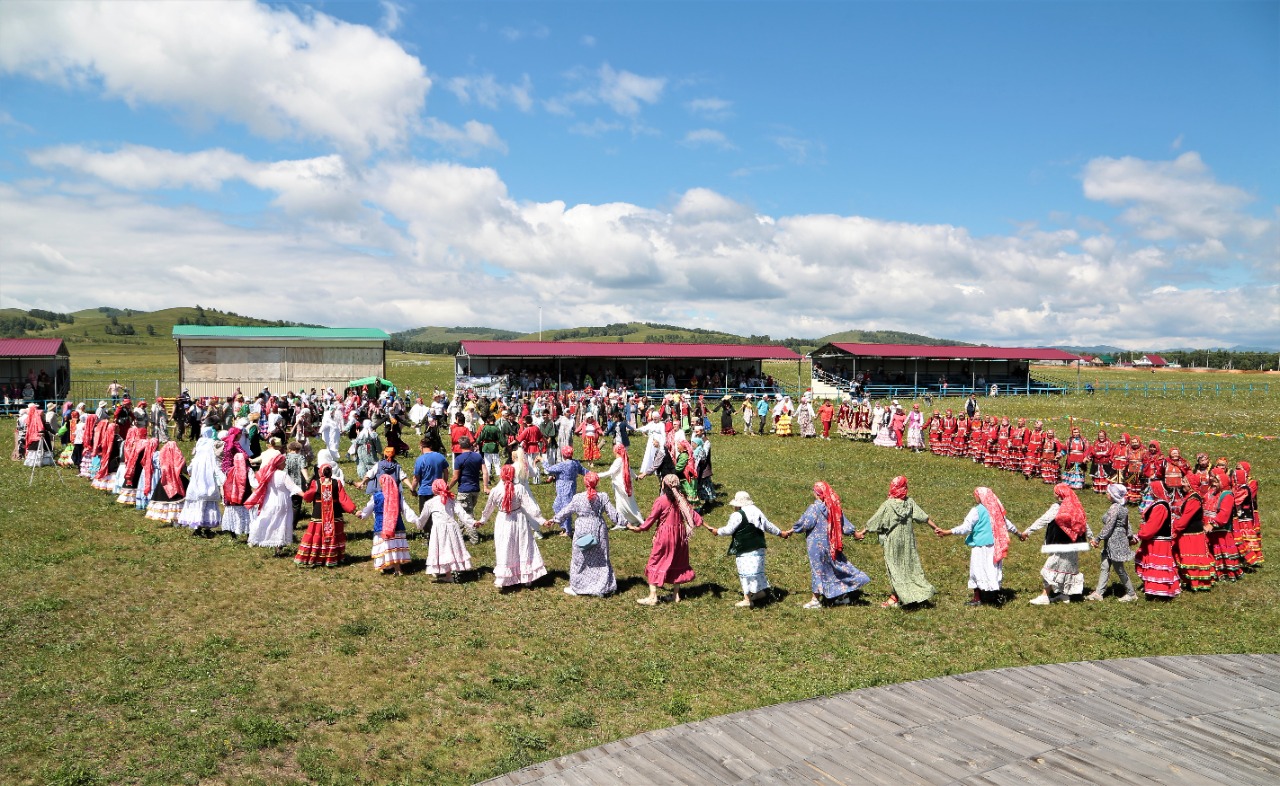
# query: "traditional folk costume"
{"points": [[1114, 542], [1134, 480], [1017, 445], [655, 446], [624, 498], [746, 529], [37, 442], [1156, 563], [237, 485], [516, 556], [565, 474], [132, 468], [325, 541], [782, 424], [991, 458], [959, 437], [1176, 469], [1219, 505], [894, 523], [1004, 433], [1066, 534], [447, 547], [1050, 454], [947, 436], [1195, 561], [862, 423], [390, 512], [986, 529], [204, 491], [881, 421], [1100, 462], [805, 416], [674, 521], [915, 429], [590, 439], [1031, 459], [1248, 529], [976, 450], [936, 446], [90, 430], [590, 569], [170, 493], [272, 522], [1077, 458], [368, 449], [831, 575], [725, 408]]}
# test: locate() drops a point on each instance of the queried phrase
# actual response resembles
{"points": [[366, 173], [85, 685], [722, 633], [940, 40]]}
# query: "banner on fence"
{"points": [[1130, 426]]}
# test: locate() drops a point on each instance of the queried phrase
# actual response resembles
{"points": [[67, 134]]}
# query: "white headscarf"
{"points": [[206, 477]]}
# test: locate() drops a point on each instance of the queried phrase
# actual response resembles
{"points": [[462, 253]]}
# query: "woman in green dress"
{"points": [[894, 523]]}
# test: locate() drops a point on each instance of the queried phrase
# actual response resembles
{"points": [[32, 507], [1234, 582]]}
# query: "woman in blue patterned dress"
{"points": [[824, 526], [590, 570]]}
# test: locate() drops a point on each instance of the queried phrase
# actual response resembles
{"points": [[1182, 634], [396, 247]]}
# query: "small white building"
{"points": [[215, 361]]}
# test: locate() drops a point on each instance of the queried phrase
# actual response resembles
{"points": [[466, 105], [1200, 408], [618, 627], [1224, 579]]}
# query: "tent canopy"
{"points": [[378, 383]]}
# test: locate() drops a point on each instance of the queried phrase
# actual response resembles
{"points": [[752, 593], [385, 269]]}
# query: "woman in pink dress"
{"points": [[675, 520]]}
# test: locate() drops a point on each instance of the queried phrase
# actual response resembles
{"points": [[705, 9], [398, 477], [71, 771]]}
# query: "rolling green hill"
{"points": [[885, 337]]}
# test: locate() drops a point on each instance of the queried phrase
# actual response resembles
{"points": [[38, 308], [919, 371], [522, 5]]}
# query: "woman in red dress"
{"points": [[675, 520], [1156, 565]]}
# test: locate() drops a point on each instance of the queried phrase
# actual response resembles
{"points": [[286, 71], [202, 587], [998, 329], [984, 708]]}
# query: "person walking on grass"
{"points": [[986, 529], [590, 569], [746, 528], [1115, 540], [894, 523], [1066, 534], [674, 520], [833, 578]]}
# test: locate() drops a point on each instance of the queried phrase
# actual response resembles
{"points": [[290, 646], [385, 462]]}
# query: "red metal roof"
{"points": [[949, 352], [1156, 360], [618, 349], [31, 347]]}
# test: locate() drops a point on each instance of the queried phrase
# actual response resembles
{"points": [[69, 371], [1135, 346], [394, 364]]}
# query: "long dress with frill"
{"points": [[272, 526], [894, 523], [516, 559], [447, 548]]}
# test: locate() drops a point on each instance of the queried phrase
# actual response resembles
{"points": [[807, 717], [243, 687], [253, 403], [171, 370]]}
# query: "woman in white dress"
{"points": [[656, 432], [204, 492], [272, 526], [331, 427], [624, 496], [516, 557], [881, 417], [447, 550]]}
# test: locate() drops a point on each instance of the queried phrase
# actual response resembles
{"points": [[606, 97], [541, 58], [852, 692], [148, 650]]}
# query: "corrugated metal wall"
{"points": [[219, 370]]}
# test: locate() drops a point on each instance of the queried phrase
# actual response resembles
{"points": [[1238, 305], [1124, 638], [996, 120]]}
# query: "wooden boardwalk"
{"points": [[1181, 721]]}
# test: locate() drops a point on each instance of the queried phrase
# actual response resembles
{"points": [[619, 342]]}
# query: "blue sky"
{"points": [[1000, 172]]}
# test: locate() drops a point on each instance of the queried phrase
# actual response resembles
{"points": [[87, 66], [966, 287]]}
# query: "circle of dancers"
{"points": [[252, 474]]}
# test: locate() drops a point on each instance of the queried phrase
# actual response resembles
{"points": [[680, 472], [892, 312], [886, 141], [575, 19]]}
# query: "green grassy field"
{"points": [[134, 653]]}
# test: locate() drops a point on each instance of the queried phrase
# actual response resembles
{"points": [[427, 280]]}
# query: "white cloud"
{"points": [[622, 91], [473, 138], [514, 34], [800, 151], [487, 91], [1179, 199], [391, 12], [431, 226], [278, 73], [710, 108], [597, 127], [701, 137]]}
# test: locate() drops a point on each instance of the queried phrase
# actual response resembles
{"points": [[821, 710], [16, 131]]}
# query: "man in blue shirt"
{"points": [[429, 466], [468, 469]]}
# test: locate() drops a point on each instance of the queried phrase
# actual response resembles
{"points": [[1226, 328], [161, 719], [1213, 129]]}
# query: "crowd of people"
{"points": [[253, 474]]}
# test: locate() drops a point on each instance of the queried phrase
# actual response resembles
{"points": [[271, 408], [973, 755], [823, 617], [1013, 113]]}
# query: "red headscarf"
{"points": [[1158, 491], [1071, 517], [86, 438], [621, 452], [508, 473], [106, 440], [148, 477], [566, 451], [995, 509], [172, 463], [591, 480], [35, 424], [898, 487], [441, 489], [237, 475], [390, 504], [835, 516], [264, 478]]}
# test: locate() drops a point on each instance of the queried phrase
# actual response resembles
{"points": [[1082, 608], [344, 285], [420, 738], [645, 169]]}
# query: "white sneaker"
{"points": [[1128, 598], [569, 591], [1093, 596], [1040, 600]]}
